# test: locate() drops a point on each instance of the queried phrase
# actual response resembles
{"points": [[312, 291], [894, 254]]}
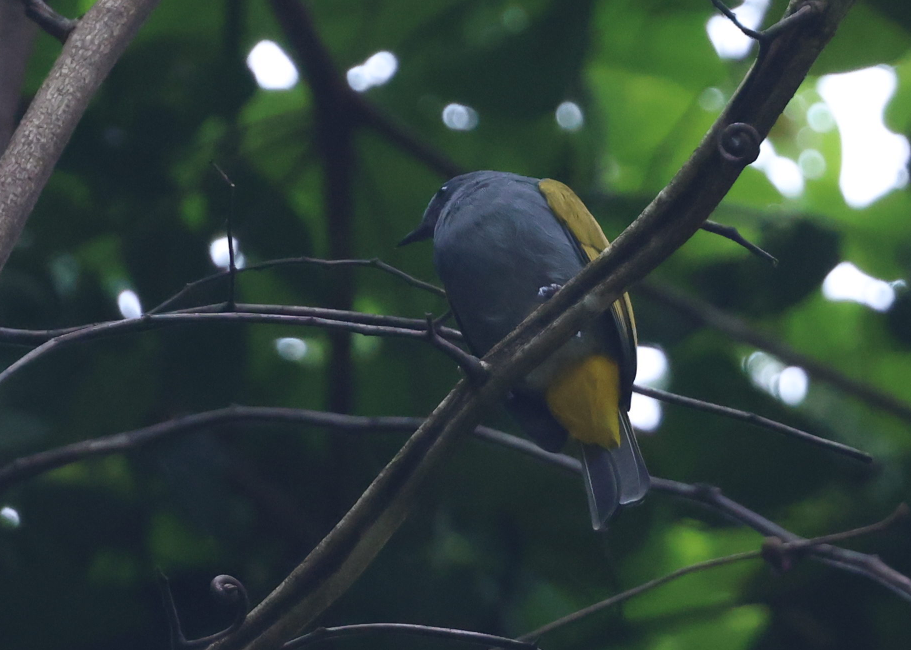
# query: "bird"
{"points": [[502, 245]]}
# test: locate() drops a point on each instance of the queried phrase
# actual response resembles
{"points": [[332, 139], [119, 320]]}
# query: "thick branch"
{"points": [[673, 217], [87, 57]]}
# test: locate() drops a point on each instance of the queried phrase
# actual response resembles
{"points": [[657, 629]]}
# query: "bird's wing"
{"points": [[587, 234]]}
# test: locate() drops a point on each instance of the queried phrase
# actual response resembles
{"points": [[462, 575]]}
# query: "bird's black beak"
{"points": [[420, 233]]}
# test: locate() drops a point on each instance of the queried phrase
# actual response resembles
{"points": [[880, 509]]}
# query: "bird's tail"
{"points": [[614, 477]]}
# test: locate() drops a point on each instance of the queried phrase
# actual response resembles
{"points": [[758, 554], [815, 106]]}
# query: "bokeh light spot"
{"points": [[9, 517], [847, 282], [271, 67], [459, 117], [651, 370], [375, 71], [789, 384], [291, 348], [812, 164], [128, 304], [873, 159], [569, 116], [220, 256], [782, 172], [711, 100]]}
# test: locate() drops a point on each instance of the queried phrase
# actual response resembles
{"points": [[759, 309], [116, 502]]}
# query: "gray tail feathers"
{"points": [[613, 477]]}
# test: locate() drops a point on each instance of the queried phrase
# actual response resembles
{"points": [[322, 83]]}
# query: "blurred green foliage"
{"points": [[499, 543]]}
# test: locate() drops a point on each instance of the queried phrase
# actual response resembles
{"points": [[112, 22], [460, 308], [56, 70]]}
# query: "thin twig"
{"points": [[27, 467], [232, 266], [868, 566], [60, 27], [729, 232], [757, 420], [227, 590], [305, 261], [374, 325], [783, 548], [150, 322], [730, 15], [704, 313], [321, 634], [30, 337], [475, 369]]}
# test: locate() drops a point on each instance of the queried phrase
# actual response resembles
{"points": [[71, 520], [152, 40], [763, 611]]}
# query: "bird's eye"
{"points": [[443, 190]]}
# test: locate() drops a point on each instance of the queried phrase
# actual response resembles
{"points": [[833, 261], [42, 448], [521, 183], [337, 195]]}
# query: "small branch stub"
{"points": [[49, 20]]}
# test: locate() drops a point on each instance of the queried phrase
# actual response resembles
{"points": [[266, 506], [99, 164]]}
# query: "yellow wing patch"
{"points": [[570, 210], [585, 399], [572, 213]]}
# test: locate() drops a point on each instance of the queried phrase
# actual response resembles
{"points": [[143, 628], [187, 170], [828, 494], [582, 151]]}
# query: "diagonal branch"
{"points": [[756, 420], [791, 549]]}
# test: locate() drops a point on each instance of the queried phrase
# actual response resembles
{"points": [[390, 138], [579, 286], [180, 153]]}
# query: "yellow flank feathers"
{"points": [[585, 399]]}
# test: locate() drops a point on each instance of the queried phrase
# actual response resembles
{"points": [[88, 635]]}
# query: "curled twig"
{"points": [[739, 143], [227, 590]]}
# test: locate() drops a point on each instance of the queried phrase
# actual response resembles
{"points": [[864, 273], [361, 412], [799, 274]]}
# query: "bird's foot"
{"points": [[547, 292]]}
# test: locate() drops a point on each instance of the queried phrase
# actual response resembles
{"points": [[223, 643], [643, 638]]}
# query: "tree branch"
{"points": [[756, 420], [322, 634], [27, 467], [330, 320], [784, 548], [704, 313], [868, 566], [731, 233], [87, 57], [374, 262]]}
